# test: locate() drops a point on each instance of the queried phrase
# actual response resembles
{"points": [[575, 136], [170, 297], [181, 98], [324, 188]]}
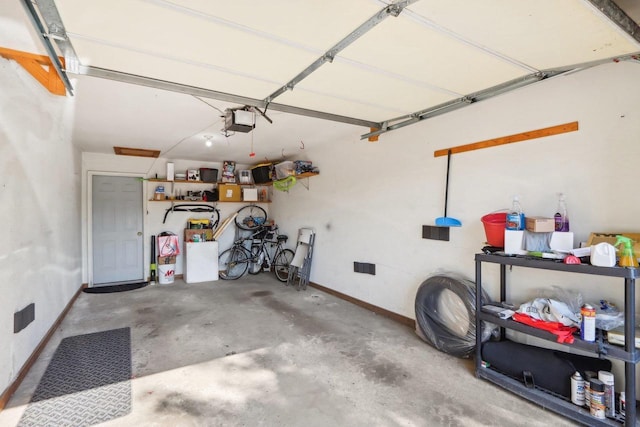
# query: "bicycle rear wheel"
{"points": [[233, 263], [250, 217], [257, 258], [281, 264]]}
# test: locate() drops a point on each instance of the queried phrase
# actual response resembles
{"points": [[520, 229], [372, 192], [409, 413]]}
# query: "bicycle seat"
{"points": [[282, 238]]}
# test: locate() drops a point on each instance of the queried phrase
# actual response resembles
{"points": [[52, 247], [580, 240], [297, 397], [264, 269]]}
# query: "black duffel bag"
{"points": [[548, 369], [210, 196]]}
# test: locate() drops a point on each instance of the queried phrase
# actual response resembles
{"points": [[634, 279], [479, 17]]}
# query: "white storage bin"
{"points": [[250, 194]]}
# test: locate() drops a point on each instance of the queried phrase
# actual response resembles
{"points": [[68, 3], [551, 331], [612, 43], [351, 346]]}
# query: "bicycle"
{"points": [[251, 217], [238, 259], [265, 257]]}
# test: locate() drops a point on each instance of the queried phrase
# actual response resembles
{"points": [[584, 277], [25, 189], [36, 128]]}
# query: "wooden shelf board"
{"points": [[180, 181], [203, 201]]}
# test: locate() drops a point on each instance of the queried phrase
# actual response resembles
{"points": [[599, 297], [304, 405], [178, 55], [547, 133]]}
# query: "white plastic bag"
{"points": [[550, 310]]}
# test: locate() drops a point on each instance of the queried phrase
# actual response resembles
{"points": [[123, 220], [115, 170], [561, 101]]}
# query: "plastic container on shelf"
{"points": [[515, 217], [284, 169], [261, 173], [627, 257], [209, 175], [494, 226], [244, 176], [561, 217]]}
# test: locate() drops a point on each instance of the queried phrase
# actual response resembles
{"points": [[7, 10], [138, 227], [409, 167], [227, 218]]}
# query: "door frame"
{"points": [[90, 175]]}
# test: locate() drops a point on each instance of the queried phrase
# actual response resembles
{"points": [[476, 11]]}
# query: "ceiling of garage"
{"points": [[171, 67]]}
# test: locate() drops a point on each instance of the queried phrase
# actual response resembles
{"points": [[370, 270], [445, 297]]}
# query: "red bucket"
{"points": [[494, 226]]}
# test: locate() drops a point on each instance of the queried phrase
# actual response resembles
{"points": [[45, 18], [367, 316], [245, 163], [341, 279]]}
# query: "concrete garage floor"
{"points": [[253, 352]]}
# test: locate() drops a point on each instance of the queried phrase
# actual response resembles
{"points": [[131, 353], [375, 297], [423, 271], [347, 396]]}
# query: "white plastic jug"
{"points": [[603, 255]]}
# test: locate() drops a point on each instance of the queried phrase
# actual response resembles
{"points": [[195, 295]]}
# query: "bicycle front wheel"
{"points": [[251, 217], [233, 263], [281, 264]]}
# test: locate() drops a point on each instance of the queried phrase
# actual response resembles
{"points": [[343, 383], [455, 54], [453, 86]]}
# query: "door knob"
{"points": [[139, 233]]}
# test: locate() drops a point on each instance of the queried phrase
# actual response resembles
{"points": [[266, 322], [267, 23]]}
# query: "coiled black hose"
{"points": [[445, 314]]}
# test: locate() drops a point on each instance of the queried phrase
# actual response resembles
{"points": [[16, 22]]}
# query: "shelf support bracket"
{"points": [[40, 67], [305, 183]]}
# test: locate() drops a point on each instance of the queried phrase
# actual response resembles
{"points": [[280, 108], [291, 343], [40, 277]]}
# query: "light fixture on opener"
{"points": [[208, 140]]}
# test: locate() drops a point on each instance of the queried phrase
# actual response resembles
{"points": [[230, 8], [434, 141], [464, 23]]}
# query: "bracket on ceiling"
{"points": [[40, 67], [374, 137]]}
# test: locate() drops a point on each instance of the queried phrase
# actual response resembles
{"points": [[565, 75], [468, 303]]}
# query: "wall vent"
{"points": [[364, 267], [22, 318]]}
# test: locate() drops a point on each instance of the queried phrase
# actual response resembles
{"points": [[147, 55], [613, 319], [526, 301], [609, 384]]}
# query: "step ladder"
{"points": [[300, 267]]}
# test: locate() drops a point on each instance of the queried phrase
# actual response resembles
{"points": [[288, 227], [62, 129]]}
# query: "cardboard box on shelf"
{"points": [[514, 241], [595, 238], [205, 234], [193, 175], [229, 193], [166, 260], [538, 224]]}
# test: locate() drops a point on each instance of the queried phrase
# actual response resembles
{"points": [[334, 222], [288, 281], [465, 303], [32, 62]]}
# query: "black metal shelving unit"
{"points": [[629, 354]]}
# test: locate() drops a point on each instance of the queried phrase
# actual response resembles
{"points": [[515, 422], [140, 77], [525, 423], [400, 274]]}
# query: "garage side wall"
{"points": [[40, 258], [371, 199]]}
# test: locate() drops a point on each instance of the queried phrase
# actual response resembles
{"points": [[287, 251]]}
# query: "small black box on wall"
{"points": [[22, 318], [364, 267], [435, 233]]}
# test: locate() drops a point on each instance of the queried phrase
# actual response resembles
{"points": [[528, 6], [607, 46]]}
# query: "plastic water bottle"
{"points": [[515, 217], [561, 217]]}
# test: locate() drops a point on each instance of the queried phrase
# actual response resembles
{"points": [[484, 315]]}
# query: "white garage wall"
{"points": [[40, 259], [110, 164], [371, 199]]}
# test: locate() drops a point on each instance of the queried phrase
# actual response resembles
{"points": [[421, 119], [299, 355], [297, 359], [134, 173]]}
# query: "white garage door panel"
{"points": [[541, 33], [343, 80], [407, 48], [145, 27], [303, 22], [167, 68]]}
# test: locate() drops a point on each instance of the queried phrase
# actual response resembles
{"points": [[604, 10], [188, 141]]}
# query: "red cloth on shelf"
{"points": [[564, 333]]}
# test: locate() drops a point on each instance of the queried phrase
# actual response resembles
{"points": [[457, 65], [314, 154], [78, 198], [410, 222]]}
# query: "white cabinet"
{"points": [[200, 261]]}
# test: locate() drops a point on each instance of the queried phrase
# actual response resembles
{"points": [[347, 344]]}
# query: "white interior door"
{"points": [[117, 229]]}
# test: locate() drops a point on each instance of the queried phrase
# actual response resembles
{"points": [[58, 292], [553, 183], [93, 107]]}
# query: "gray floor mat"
{"points": [[87, 382]]}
